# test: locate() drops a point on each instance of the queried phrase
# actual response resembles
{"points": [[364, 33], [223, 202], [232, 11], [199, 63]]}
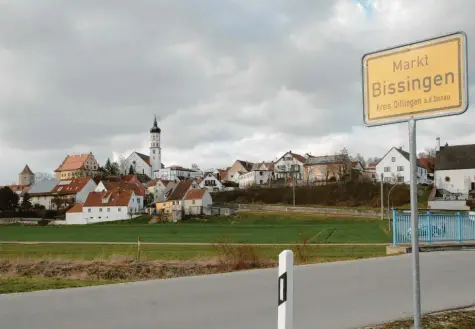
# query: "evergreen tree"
{"points": [[131, 170], [8, 199], [115, 169], [108, 166], [26, 202]]}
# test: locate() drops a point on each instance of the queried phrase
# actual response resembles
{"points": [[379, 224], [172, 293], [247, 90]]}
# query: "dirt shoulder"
{"points": [[459, 319], [122, 268]]}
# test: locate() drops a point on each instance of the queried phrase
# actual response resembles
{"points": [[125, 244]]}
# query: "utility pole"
{"points": [[293, 186], [382, 197]]}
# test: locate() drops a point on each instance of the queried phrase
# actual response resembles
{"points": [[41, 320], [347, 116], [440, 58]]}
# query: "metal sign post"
{"points": [[421, 80], [285, 306], [416, 282]]}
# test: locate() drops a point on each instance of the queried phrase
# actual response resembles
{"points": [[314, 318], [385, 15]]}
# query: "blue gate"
{"points": [[457, 227]]}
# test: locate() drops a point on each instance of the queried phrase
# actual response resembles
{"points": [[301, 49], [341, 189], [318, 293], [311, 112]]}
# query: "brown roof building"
{"points": [[108, 199], [81, 165]]}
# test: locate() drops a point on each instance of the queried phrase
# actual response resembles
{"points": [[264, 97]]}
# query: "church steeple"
{"points": [[155, 149], [155, 128]]}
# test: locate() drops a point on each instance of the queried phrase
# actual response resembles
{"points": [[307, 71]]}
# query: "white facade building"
{"points": [[195, 200], [455, 169], [178, 172], [114, 186], [254, 177], [103, 207], [290, 164], [395, 168], [211, 183], [142, 164]]}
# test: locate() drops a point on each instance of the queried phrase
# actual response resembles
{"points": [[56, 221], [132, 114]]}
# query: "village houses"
{"points": [[394, 167], [290, 165]]}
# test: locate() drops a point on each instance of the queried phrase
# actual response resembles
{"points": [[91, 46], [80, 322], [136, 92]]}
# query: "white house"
{"points": [[395, 168], [455, 170], [178, 172], [104, 207], [237, 169], [41, 193], [254, 177], [139, 192], [195, 200], [211, 183], [288, 165]]}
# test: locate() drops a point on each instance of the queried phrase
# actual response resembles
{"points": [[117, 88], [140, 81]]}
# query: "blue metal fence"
{"points": [[434, 228]]}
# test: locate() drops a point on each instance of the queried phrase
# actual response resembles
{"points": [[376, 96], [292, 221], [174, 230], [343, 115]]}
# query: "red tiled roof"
{"points": [[195, 194], [428, 163], [73, 162], [19, 188], [299, 157], [75, 209], [114, 186], [108, 199], [26, 171], [74, 186], [180, 190]]}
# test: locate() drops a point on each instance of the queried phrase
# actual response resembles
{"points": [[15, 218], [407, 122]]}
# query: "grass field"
{"points": [[11, 285], [247, 228], [173, 252]]}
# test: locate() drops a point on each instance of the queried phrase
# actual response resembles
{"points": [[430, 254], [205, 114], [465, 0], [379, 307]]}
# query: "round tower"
{"points": [[155, 149]]}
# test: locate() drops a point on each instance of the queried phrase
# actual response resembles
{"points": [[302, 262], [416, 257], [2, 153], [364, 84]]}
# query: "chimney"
{"points": [[437, 148]]}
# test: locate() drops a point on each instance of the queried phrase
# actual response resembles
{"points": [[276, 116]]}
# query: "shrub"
{"points": [[344, 194], [43, 222], [237, 257]]}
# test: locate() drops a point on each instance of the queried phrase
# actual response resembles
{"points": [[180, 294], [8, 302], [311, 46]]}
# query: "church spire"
{"points": [[155, 128]]}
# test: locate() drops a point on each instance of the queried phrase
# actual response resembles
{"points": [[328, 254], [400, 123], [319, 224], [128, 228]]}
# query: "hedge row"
{"points": [[349, 194]]}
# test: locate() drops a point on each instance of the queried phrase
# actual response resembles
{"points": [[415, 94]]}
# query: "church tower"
{"points": [[155, 149], [26, 177]]}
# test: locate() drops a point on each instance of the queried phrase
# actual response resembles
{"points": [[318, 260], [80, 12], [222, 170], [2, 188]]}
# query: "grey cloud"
{"points": [[87, 72]]}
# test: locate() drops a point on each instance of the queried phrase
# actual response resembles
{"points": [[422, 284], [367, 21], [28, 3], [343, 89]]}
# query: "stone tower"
{"points": [[26, 177]]}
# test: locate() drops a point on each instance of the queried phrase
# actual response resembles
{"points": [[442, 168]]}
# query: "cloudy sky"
{"points": [[228, 79]]}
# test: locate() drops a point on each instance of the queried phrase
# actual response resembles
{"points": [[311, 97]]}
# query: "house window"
{"points": [[100, 209], [260, 173], [373, 175], [138, 200], [393, 159], [400, 168], [260, 182], [108, 209], [400, 179], [387, 169], [119, 209], [89, 210], [153, 152], [193, 201]]}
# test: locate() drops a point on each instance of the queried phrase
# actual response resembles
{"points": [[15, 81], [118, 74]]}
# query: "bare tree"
{"points": [[343, 164], [41, 176], [361, 159], [427, 153]]}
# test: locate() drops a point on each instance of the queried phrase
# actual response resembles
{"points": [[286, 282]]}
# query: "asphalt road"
{"points": [[333, 295]]}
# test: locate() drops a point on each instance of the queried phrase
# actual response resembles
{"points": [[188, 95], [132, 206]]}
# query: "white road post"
{"points": [[286, 290]]}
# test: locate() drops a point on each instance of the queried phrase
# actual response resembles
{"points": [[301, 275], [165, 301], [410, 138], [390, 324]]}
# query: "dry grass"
{"points": [[240, 257], [462, 319], [123, 268]]}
